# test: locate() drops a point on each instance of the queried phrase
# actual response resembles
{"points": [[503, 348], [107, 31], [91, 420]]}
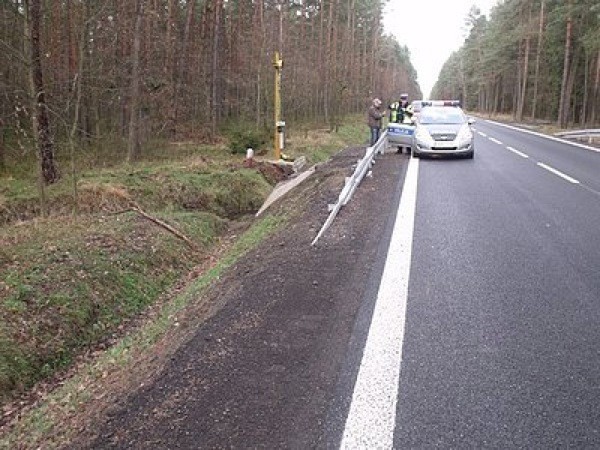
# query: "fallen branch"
{"points": [[136, 208]]}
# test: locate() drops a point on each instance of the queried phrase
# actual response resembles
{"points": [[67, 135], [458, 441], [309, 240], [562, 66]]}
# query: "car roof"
{"points": [[440, 103]]}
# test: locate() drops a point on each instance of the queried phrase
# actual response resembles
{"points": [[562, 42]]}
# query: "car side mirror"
{"points": [[413, 120], [471, 120]]}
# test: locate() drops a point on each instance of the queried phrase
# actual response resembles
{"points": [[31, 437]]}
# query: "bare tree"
{"points": [[214, 111], [170, 66], [525, 71], [563, 105], [2, 158], [538, 56], [133, 151], [41, 118], [596, 91]]}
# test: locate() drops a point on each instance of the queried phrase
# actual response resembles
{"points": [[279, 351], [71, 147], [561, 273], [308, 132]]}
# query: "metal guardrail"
{"points": [[352, 182], [592, 133]]}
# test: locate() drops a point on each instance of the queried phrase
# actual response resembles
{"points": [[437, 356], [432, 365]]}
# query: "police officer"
{"points": [[405, 109], [394, 116], [405, 113]]}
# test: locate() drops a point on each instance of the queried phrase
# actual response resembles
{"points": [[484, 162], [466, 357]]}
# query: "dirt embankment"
{"points": [[76, 398]]}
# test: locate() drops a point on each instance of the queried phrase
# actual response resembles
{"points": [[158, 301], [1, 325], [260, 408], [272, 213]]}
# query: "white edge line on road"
{"points": [[557, 172], [552, 138], [372, 416], [517, 152], [497, 141]]}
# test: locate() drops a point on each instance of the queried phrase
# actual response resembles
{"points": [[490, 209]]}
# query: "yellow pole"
{"points": [[277, 64]]}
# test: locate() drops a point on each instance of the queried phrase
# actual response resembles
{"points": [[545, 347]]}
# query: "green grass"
{"points": [[69, 281], [33, 429]]}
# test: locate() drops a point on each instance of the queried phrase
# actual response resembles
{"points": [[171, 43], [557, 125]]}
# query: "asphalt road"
{"points": [[453, 304], [502, 341]]}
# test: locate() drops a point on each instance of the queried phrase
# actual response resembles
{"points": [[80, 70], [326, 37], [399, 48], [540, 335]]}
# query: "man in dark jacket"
{"points": [[374, 120]]}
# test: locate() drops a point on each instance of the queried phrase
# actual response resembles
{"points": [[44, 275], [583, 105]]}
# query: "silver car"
{"points": [[442, 130]]}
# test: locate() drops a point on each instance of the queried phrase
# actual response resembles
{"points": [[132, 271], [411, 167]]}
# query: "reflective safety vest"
{"points": [[394, 110]]}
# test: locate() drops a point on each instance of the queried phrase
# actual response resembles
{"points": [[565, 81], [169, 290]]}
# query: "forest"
{"points": [[119, 123], [533, 59], [86, 74]]}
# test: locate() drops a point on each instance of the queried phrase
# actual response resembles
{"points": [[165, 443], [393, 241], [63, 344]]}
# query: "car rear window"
{"points": [[442, 115]]}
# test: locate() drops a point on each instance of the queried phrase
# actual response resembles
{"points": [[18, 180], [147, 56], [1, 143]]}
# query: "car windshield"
{"points": [[442, 115]]}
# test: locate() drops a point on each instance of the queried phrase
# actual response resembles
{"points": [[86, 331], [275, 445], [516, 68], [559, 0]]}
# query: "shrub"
{"points": [[244, 135]]}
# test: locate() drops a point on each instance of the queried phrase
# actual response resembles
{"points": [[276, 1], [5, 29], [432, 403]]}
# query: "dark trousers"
{"points": [[375, 133]]}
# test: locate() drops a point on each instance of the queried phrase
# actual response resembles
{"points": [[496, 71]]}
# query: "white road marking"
{"points": [[552, 138], [372, 416], [557, 172], [517, 152], [497, 141], [482, 134]]}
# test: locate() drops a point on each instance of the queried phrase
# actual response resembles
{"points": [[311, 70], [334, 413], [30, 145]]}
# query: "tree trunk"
{"points": [[214, 110], [352, 51], [71, 45], [330, 62], [596, 92], [120, 54], [336, 90], [2, 158], [78, 99], [181, 65], [568, 110], [537, 61], [375, 51], [497, 99], [261, 39], [562, 107], [584, 102], [133, 151], [463, 83], [525, 73], [170, 67], [320, 58], [41, 118]]}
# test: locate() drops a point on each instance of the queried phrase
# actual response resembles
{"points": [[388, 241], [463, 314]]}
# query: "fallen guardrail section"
{"points": [[362, 168]]}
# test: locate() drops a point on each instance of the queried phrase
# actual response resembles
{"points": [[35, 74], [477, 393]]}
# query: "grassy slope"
{"points": [[70, 281]]}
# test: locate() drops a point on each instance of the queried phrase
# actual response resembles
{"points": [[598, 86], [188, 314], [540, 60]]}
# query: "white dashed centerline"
{"points": [[517, 152], [482, 134], [542, 165], [559, 173], [372, 416]]}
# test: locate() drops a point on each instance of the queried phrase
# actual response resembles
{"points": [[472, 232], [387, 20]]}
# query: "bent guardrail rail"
{"points": [[353, 181]]}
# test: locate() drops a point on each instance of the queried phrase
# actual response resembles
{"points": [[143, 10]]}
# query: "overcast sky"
{"points": [[432, 30]]}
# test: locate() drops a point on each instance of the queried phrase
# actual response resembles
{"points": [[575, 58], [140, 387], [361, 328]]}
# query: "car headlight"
{"points": [[464, 137], [423, 138]]}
